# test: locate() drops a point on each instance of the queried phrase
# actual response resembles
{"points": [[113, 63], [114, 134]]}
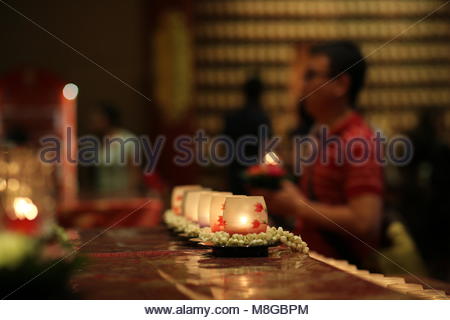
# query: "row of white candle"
{"points": [[221, 211]]}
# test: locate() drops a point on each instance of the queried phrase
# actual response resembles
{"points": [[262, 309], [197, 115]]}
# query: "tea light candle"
{"points": [[204, 207], [266, 175], [178, 197], [245, 215], [191, 203], [23, 216], [216, 211]]}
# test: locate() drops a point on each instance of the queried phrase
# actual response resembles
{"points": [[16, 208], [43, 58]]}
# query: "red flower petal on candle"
{"points": [[256, 224], [179, 198], [259, 207], [176, 210], [221, 221]]}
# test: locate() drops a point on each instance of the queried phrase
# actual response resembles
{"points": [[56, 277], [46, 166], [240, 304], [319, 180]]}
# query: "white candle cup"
{"points": [[178, 197], [204, 206], [216, 211], [245, 215], [190, 209]]}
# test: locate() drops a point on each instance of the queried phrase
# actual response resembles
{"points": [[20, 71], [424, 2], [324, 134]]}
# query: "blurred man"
{"points": [[115, 176], [337, 205]]}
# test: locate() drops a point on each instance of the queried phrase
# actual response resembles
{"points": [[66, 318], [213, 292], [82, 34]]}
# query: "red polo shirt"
{"points": [[348, 171]]}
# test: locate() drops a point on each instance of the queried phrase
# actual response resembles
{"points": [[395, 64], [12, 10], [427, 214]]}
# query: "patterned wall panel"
{"points": [[409, 60]]}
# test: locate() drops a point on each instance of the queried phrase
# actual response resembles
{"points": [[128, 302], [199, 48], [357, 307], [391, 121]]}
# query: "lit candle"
{"points": [[23, 216], [190, 209], [267, 175], [216, 211], [271, 158], [204, 206], [24, 208], [178, 196], [245, 215]]}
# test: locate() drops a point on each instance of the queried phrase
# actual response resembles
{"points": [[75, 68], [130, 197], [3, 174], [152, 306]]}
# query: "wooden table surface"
{"points": [[152, 263]]}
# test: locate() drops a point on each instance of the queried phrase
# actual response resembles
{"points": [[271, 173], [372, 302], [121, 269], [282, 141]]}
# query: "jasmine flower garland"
{"points": [[270, 237], [181, 224]]}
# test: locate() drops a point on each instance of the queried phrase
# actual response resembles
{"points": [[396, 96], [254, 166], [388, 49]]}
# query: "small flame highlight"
{"points": [[24, 208], [243, 220], [271, 158]]}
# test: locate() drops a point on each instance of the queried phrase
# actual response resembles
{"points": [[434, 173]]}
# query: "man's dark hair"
{"points": [[111, 112], [345, 57]]}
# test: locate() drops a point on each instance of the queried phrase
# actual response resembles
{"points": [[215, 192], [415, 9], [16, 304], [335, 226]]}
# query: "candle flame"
{"points": [[271, 158], [244, 220], [24, 208]]}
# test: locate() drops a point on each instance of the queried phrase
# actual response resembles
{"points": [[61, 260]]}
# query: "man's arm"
{"points": [[361, 217]]}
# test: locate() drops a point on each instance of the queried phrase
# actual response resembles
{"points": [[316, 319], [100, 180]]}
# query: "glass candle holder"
{"points": [[245, 215], [190, 209], [204, 207], [178, 197], [216, 211], [27, 192]]}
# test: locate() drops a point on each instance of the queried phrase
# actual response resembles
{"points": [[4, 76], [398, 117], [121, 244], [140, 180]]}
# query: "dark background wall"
{"points": [[111, 33]]}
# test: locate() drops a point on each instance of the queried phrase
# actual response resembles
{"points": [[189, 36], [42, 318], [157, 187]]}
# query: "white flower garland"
{"points": [[271, 237], [181, 224]]}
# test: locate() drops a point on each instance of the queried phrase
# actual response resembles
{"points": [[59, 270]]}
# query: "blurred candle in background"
{"points": [[24, 208], [27, 192], [204, 207], [178, 196], [191, 203], [271, 158]]}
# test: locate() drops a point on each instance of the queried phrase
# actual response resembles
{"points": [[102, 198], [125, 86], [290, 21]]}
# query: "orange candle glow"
{"points": [[245, 215]]}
